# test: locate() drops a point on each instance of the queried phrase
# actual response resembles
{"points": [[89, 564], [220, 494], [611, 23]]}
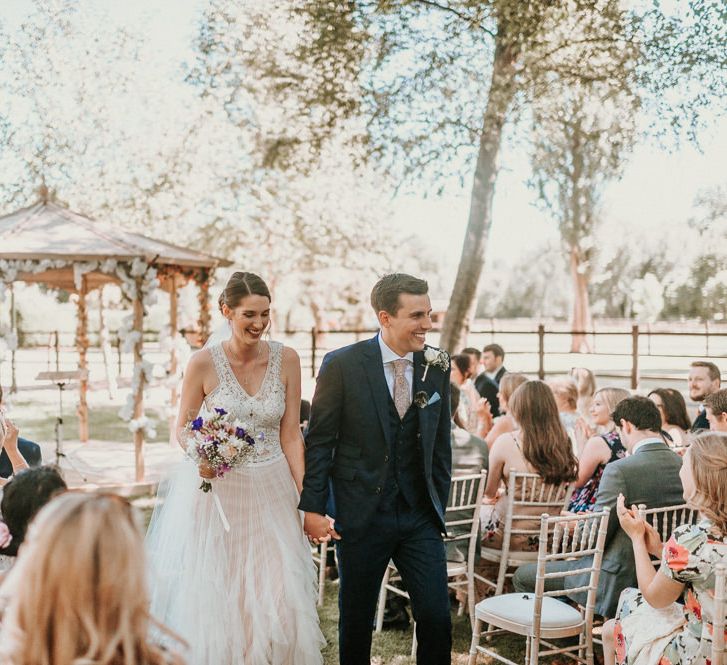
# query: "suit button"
{"points": [[378, 490], [386, 458]]}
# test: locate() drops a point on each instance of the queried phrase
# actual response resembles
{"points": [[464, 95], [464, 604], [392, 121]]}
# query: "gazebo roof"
{"points": [[49, 231]]}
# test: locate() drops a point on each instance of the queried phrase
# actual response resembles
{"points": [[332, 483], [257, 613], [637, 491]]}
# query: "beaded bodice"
{"points": [[261, 412]]}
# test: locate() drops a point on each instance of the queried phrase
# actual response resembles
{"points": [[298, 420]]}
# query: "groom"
{"points": [[378, 460]]}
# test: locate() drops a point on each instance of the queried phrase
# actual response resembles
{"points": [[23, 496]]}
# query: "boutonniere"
{"points": [[421, 399], [435, 357]]}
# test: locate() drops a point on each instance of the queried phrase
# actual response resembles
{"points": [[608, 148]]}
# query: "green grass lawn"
{"points": [[392, 647]]}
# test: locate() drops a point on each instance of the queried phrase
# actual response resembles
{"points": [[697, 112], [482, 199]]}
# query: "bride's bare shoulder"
{"points": [[200, 360]]}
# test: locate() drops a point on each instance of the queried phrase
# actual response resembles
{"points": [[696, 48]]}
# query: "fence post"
{"points": [[313, 336], [634, 357], [57, 347], [541, 352]]}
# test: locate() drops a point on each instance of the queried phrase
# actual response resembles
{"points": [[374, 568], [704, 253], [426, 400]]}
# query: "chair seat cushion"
{"points": [[517, 608]]}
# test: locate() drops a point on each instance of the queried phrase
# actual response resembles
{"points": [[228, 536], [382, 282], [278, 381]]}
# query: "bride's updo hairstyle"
{"points": [[241, 285]]}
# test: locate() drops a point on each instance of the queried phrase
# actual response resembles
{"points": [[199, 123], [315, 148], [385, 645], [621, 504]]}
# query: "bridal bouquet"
{"points": [[218, 444]]}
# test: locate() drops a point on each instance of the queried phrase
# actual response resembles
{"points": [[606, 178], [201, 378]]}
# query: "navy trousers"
{"points": [[411, 538]]}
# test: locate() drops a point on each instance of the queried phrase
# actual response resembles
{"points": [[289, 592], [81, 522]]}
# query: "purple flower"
{"points": [[240, 433], [249, 440], [197, 424], [222, 412]]}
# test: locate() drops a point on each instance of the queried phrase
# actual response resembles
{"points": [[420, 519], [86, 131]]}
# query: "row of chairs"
{"points": [[541, 616]]}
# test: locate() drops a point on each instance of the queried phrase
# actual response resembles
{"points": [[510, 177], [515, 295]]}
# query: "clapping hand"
{"points": [[319, 528], [8, 434], [630, 520]]}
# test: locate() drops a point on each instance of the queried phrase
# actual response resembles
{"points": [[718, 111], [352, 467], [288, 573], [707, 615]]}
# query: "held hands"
{"points": [[319, 528], [636, 527], [8, 434]]}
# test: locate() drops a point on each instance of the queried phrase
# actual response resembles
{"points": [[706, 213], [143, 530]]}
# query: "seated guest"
{"points": [[9, 446], [704, 379], [29, 450], [649, 475], [715, 408], [674, 416], [78, 593], [475, 356], [469, 452], [599, 450], [650, 625], [23, 496], [565, 392], [461, 376], [586, 384], [505, 422], [539, 445], [488, 382]]}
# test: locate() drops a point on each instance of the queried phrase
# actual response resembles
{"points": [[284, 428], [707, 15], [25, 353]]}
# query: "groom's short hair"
{"points": [[385, 294]]}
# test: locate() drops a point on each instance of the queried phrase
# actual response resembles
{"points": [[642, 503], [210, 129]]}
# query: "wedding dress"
{"points": [[246, 596]]}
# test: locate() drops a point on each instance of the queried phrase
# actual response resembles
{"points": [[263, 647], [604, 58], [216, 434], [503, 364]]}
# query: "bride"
{"points": [[247, 595]]}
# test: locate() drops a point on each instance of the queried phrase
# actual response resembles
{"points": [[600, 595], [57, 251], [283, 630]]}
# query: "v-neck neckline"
{"points": [[237, 381]]}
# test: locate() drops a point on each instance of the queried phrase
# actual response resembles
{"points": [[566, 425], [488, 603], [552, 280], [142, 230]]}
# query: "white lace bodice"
{"points": [[262, 412]]}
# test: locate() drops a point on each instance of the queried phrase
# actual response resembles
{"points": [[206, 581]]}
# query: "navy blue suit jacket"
{"points": [[349, 437], [30, 452]]}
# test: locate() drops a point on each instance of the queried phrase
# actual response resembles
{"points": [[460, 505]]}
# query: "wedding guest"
{"points": [[505, 422], [586, 383], [475, 356], [674, 416], [539, 445], [79, 592], [704, 379], [23, 496], [29, 450], [600, 450], [565, 392], [10, 447], [470, 453], [715, 408], [461, 376], [488, 382], [650, 626], [649, 475]]}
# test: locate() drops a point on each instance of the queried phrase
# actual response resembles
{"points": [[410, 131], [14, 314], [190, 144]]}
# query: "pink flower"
{"points": [[5, 536], [620, 643], [677, 557]]}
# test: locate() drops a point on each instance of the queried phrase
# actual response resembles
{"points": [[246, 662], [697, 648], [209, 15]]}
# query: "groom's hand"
{"points": [[319, 528]]}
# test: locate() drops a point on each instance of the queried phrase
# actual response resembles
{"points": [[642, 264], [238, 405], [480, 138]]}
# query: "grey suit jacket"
{"points": [[650, 476]]}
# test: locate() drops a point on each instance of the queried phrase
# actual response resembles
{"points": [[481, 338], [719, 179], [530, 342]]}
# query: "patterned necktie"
{"points": [[402, 392]]}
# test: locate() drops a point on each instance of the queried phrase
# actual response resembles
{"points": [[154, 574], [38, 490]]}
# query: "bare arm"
{"points": [[291, 440], [502, 425], [193, 391], [497, 466], [595, 452], [10, 445]]}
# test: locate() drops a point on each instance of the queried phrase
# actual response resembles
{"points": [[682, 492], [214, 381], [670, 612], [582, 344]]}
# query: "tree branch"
{"points": [[458, 14]]}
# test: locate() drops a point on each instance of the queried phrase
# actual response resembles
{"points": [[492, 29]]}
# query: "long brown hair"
{"points": [[708, 457], [546, 445], [81, 592]]}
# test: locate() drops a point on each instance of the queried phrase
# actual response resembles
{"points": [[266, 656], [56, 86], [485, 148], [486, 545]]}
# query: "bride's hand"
{"points": [[206, 471]]}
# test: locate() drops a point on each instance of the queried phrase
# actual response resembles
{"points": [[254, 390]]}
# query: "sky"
{"points": [[655, 193]]}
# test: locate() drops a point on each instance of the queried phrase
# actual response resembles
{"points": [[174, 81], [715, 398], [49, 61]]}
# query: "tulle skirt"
{"points": [[246, 596]]}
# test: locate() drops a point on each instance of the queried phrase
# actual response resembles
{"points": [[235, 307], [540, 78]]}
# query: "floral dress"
{"points": [[677, 634], [584, 498]]}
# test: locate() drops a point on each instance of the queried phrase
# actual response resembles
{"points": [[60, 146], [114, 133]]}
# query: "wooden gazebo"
{"points": [[50, 244]]}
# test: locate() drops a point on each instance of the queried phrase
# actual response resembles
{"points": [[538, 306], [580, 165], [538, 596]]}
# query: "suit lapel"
{"points": [[374, 369], [422, 413]]}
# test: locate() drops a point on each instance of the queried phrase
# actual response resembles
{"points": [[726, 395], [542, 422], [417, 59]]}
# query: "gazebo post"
{"points": [[204, 306], [173, 356], [139, 395], [14, 329], [82, 346]]}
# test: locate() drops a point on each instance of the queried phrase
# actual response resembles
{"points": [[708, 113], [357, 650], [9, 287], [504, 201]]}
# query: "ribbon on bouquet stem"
{"points": [[221, 512]]}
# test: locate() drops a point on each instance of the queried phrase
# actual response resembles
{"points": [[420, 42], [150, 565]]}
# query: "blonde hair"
{"points": [[509, 383], [565, 390], [708, 458], [611, 397], [585, 381], [81, 597]]}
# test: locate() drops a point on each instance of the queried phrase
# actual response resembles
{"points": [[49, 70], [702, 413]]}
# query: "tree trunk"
{"points": [[581, 318], [471, 262], [82, 346]]}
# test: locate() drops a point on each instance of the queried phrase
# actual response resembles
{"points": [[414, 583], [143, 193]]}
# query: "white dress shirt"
{"points": [[643, 442], [388, 356]]}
